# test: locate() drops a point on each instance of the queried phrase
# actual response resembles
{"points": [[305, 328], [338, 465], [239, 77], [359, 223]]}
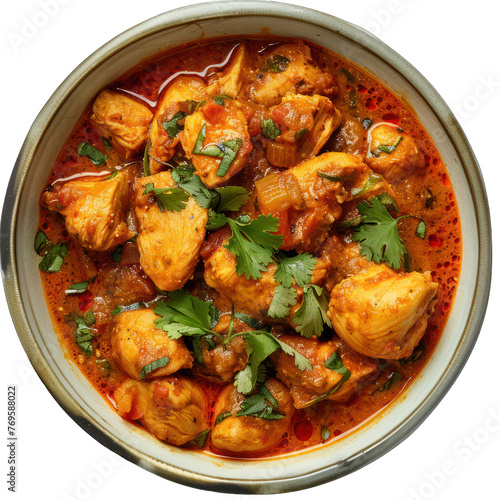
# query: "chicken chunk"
{"points": [[216, 140], [251, 296], [307, 199], [136, 343], [173, 409], [122, 120], [392, 153], [178, 101], [229, 82], [381, 313], [248, 433], [321, 382], [304, 124], [169, 242], [221, 363], [289, 69], [93, 210]]}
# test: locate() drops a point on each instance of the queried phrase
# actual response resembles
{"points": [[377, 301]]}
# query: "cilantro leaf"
{"points": [[201, 438], [372, 181], [378, 234], [85, 149], [298, 268], [183, 314], [232, 198], [221, 99], [171, 199], [387, 148], [172, 127], [284, 297], [227, 150], [158, 363], [145, 161], [420, 231], [83, 335], [252, 244], [78, 287], [334, 362], [41, 241], [301, 133], [275, 64], [259, 406], [311, 316], [270, 129], [53, 260]]}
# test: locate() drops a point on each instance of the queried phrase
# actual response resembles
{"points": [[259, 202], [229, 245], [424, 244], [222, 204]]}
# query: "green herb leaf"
{"points": [[386, 148], [283, 299], [221, 99], [334, 362], [253, 245], [171, 199], [298, 268], [172, 127], [54, 258], [222, 417], [350, 223], [416, 354], [336, 178], [85, 149], [201, 438], [78, 287], [275, 64], [183, 314], [350, 77], [311, 316], [378, 234], [106, 143], [420, 231], [232, 198], [252, 322], [257, 406], [131, 307], [41, 241], [393, 379], [83, 335], [270, 129], [372, 181], [117, 253], [301, 133], [158, 363]]}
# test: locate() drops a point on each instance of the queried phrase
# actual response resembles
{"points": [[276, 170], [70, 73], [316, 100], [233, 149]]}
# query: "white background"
{"points": [[455, 44]]}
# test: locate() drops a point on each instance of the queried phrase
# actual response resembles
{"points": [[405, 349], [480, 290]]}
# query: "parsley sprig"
{"points": [[378, 232]]}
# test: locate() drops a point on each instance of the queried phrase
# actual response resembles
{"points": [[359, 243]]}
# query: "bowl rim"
{"points": [[235, 9]]}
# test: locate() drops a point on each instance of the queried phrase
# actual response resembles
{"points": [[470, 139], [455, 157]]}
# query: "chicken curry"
{"points": [[249, 247]]}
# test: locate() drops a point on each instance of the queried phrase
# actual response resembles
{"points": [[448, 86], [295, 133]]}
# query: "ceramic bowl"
{"points": [[63, 379]]}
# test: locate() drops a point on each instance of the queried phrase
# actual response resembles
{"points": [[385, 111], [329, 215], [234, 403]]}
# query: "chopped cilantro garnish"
{"points": [[284, 297], [334, 362], [393, 379], [54, 258], [387, 148], [158, 363], [83, 335], [420, 231], [221, 99], [85, 149], [171, 199], [311, 316], [259, 406], [201, 438], [226, 150], [298, 268], [301, 133], [378, 234], [270, 129], [41, 241], [145, 161], [172, 127], [275, 64], [107, 143], [78, 287]]}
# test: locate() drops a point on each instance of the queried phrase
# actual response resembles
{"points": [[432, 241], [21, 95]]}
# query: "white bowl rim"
{"points": [[211, 10]]}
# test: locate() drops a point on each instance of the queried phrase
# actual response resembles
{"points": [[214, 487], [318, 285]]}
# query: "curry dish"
{"points": [[249, 247]]}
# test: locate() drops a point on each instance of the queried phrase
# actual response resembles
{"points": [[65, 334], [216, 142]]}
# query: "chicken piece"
{"points": [[308, 387], [307, 199], [247, 433], [173, 409], [93, 210], [216, 140], [229, 82], [305, 123], [392, 153], [350, 136], [251, 296], [381, 313], [221, 363], [288, 69], [122, 120], [178, 101], [136, 343], [169, 242]]}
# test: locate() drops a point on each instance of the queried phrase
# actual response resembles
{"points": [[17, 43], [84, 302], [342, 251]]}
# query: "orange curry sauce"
{"points": [[427, 194]]}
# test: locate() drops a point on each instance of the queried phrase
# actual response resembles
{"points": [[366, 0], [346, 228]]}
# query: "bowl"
{"points": [[72, 391]]}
